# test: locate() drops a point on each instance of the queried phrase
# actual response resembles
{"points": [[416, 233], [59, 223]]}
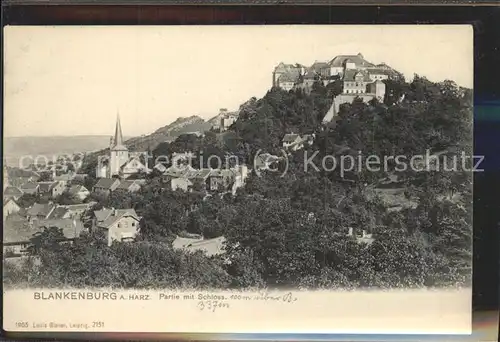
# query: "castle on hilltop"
{"points": [[359, 78], [120, 162], [355, 72]]}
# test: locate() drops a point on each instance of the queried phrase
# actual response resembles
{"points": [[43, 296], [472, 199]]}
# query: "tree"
{"points": [[67, 198], [45, 177], [47, 239]]}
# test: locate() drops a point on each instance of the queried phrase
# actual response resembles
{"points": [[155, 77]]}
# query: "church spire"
{"points": [[118, 131], [118, 139]]}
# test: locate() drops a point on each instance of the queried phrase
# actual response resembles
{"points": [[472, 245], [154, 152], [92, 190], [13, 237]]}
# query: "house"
{"points": [[133, 166], [12, 192], [16, 236], [200, 178], [71, 228], [264, 161], [221, 179], [210, 247], [118, 224], [181, 183], [30, 188], [40, 211], [106, 186], [60, 212], [77, 210], [292, 142], [176, 172], [79, 191], [10, 207], [17, 176], [128, 186], [364, 238], [53, 189]]}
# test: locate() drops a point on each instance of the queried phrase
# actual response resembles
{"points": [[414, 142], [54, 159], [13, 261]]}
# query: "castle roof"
{"points": [[358, 59]]}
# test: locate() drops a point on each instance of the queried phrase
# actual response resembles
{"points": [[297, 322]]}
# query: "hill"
{"points": [[168, 133]]}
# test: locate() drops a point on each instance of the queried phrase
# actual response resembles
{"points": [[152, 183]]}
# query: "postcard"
{"points": [[238, 179]]}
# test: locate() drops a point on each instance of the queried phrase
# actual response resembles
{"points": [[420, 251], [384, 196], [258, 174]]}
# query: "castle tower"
{"points": [[118, 152]]}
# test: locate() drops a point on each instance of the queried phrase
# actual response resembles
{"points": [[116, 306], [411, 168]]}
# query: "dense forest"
{"points": [[290, 229]]}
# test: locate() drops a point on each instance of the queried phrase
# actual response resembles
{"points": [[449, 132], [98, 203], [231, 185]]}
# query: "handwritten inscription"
{"points": [[212, 305], [212, 302]]}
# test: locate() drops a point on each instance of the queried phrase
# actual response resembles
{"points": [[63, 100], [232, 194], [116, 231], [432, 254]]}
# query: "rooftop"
{"points": [[125, 185], [71, 228], [350, 75], [356, 59], [39, 209], [106, 183], [291, 137], [17, 231], [75, 189], [47, 186], [211, 247], [12, 191], [106, 217], [29, 186]]}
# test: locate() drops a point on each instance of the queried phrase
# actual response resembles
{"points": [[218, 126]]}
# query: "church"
{"points": [[120, 162]]}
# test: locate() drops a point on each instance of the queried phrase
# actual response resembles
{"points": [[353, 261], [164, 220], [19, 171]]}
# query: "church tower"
{"points": [[118, 152]]}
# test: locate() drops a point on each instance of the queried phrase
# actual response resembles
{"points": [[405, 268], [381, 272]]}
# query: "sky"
{"points": [[73, 80]]}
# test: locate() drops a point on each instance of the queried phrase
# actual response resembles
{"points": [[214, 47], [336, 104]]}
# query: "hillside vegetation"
{"points": [[290, 229]]}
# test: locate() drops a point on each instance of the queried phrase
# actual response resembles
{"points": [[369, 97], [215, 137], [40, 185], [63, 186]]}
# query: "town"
{"points": [[223, 214]]}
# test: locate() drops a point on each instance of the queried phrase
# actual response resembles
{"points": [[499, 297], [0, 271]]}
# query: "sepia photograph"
{"points": [[274, 176]]}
